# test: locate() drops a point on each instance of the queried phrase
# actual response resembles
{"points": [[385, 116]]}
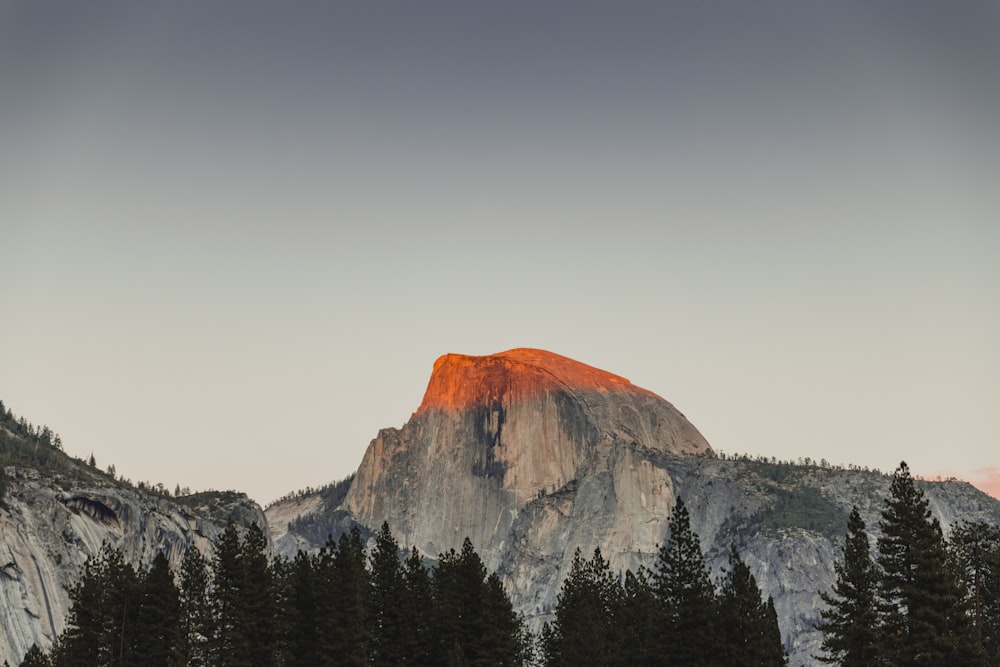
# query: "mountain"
{"points": [[56, 511], [533, 455]]}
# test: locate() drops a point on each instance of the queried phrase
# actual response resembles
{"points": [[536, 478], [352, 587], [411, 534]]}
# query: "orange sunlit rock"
{"points": [[460, 381]]}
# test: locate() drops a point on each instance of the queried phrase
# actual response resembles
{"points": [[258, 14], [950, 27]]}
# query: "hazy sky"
{"points": [[234, 236]]}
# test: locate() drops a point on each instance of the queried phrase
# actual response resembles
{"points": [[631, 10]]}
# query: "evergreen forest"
{"points": [[916, 599], [909, 597]]}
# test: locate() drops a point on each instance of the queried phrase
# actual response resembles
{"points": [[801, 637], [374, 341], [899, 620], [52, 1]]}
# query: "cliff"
{"points": [[495, 434], [533, 455], [50, 523]]}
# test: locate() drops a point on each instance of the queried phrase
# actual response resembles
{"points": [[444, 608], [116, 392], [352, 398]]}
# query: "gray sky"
{"points": [[234, 236]]}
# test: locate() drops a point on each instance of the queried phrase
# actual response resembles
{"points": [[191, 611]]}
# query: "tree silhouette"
{"points": [[851, 623]]}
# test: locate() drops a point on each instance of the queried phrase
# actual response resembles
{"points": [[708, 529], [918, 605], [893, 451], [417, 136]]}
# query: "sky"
{"points": [[234, 236]]}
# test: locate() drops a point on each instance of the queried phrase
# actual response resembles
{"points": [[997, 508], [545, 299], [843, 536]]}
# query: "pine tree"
{"points": [[474, 622], [196, 614], [225, 647], [748, 626], [686, 596], [34, 658], [924, 620], [257, 607], [585, 630], [159, 628], [850, 624], [300, 610], [101, 628], [418, 639], [976, 553], [346, 635], [641, 621], [387, 600]]}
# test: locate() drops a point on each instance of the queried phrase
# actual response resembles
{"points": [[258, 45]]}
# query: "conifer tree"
{"points": [[641, 622], [34, 658], [158, 624], [301, 604], [503, 642], [976, 553], [257, 610], [101, 627], [346, 635], [686, 596], [196, 613], [388, 594], [474, 622], [748, 627], [850, 624], [227, 580], [585, 630], [924, 619], [418, 639]]}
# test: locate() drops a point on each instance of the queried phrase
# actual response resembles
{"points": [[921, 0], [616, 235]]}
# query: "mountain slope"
{"points": [[533, 455], [56, 511]]}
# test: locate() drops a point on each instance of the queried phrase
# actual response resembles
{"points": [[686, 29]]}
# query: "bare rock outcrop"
{"points": [[533, 455], [50, 525], [497, 433]]}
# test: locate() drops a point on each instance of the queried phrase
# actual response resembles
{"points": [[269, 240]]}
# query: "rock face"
{"points": [[532, 455], [497, 434], [50, 525]]}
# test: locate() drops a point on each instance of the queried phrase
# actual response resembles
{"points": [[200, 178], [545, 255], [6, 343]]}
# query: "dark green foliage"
{"points": [[748, 626], [585, 630], [227, 581], [304, 595], [851, 623], [388, 596], [245, 602], [686, 597], [348, 631], [22, 444], [316, 610], [258, 612], [473, 621], [158, 628], [102, 624], [316, 527], [641, 622], [803, 507], [196, 609], [34, 658], [976, 553], [418, 640], [924, 617]]}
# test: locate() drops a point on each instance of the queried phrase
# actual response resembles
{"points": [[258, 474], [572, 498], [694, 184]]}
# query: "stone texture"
{"points": [[533, 455], [48, 529], [498, 432]]}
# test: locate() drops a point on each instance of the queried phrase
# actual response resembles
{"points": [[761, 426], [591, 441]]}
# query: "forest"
{"points": [[915, 599], [911, 598], [345, 606]]}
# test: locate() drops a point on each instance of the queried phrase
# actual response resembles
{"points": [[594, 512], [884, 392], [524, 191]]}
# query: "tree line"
{"points": [[917, 599], [345, 606], [340, 606], [671, 615]]}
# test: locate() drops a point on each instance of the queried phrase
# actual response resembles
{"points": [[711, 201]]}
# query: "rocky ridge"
{"points": [[51, 523], [533, 455]]}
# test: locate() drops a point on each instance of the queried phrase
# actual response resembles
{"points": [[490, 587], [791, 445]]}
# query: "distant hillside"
{"points": [[57, 510]]}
